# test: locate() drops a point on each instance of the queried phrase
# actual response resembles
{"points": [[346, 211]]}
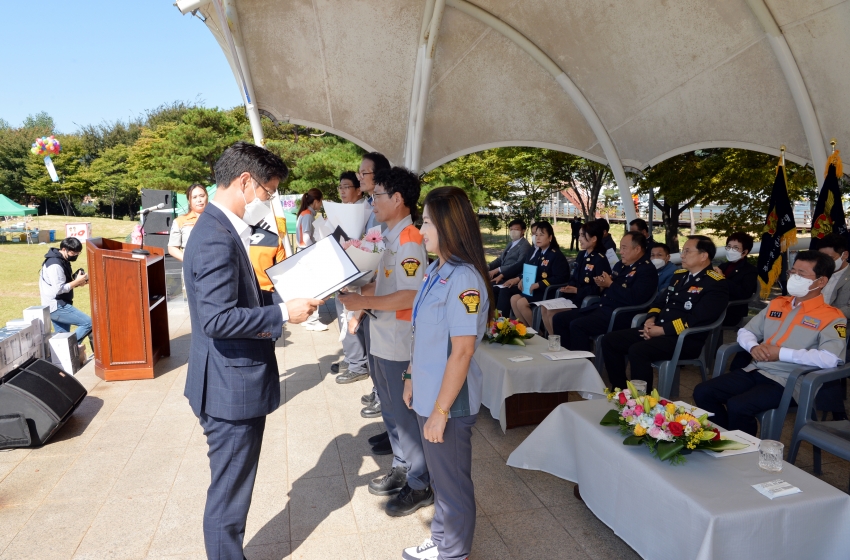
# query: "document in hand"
{"points": [[314, 272], [557, 303], [529, 275]]}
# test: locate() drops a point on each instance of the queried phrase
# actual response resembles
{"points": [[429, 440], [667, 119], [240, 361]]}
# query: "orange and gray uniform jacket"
{"points": [[812, 333], [266, 251]]}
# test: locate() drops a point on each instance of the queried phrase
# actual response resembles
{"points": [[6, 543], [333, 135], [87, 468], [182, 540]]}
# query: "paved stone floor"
{"points": [[126, 478]]}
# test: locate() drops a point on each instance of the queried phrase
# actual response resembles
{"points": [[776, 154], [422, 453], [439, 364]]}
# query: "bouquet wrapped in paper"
{"points": [[669, 430], [366, 253]]}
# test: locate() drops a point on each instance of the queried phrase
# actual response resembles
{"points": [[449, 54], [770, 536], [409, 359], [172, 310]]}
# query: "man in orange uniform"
{"points": [[797, 329]]}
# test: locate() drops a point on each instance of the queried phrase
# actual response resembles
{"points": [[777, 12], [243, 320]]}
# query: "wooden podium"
{"points": [[129, 313]]}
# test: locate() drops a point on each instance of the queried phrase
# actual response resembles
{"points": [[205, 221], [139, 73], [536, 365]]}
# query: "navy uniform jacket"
{"points": [[742, 279], [552, 268], [233, 372], [632, 285], [690, 302], [588, 267]]}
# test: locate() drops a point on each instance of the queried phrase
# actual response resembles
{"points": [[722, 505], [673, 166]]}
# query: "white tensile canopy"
{"points": [[625, 83]]}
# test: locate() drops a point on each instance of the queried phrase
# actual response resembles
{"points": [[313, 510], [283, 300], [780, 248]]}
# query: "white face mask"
{"points": [[255, 210], [733, 256], [659, 263], [515, 234], [838, 263], [799, 286]]}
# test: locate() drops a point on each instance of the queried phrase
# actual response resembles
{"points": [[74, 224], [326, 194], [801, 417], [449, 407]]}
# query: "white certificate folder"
{"points": [[315, 272]]}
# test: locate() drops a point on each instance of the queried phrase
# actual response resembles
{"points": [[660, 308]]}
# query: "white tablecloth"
{"points": [[705, 509], [503, 378]]}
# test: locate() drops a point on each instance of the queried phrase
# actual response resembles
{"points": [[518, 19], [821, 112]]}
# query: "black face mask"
{"points": [[72, 258]]}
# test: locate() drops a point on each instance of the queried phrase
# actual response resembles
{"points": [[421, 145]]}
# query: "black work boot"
{"points": [[390, 483], [409, 500]]}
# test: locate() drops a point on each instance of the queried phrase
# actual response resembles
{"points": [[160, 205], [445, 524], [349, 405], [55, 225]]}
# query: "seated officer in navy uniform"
{"points": [[696, 297], [632, 282]]}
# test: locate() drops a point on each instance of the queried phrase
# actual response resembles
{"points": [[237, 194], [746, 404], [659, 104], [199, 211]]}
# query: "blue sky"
{"points": [[87, 61]]}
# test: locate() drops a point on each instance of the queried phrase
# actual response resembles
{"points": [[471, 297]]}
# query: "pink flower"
{"points": [[631, 402], [373, 236], [627, 412], [638, 410], [354, 243], [655, 432], [659, 419]]}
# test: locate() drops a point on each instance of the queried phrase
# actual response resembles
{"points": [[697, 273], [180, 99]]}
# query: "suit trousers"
{"points": [[450, 466], [353, 345], [577, 330], [737, 397], [618, 345], [402, 428], [234, 452]]}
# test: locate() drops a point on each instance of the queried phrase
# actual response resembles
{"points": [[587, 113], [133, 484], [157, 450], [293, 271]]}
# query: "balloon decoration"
{"points": [[45, 146]]}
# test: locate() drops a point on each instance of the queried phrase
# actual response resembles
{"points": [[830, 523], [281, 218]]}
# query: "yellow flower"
{"points": [[520, 329], [640, 430], [652, 402], [685, 417], [671, 408]]}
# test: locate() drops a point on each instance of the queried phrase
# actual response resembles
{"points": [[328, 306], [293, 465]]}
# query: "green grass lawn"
{"points": [[22, 264]]}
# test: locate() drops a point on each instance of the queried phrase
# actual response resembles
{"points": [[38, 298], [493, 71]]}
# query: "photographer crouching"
{"points": [[56, 284]]}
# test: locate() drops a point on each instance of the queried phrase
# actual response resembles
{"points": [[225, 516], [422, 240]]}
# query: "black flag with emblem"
{"points": [[828, 216], [779, 233]]}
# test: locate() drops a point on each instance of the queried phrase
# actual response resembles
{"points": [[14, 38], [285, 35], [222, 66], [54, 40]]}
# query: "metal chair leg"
{"points": [[816, 460]]}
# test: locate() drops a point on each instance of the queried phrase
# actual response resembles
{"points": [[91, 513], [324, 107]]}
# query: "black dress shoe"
{"points": [[366, 400], [409, 500], [371, 411], [341, 365], [375, 440], [351, 377], [383, 448], [390, 483]]}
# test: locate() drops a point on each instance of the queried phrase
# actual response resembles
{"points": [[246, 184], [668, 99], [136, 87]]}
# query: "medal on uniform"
{"points": [[545, 275], [587, 279], [688, 305]]}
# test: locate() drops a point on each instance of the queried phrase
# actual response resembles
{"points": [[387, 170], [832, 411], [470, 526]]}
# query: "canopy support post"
{"points": [[568, 86], [799, 92], [425, 83]]}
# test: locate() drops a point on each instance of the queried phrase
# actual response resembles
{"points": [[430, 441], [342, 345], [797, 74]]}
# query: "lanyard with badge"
{"points": [[425, 293]]}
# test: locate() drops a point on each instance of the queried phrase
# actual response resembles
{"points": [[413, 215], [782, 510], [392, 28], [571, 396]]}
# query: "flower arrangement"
{"points": [[372, 242], [670, 431], [507, 331]]}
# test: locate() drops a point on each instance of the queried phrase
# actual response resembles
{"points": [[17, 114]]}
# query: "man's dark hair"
{"points": [[824, 266], [837, 243], [71, 244], [402, 181], [663, 246], [746, 240], [604, 223], [705, 245], [641, 224], [517, 222], [243, 157], [638, 239], [379, 161], [351, 176]]}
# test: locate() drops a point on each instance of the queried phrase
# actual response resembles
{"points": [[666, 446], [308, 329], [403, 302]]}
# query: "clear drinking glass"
{"points": [[770, 455], [554, 342], [640, 385]]}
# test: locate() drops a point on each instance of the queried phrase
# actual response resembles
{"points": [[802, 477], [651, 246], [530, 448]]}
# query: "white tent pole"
{"points": [[425, 84], [417, 77], [568, 86], [799, 92]]}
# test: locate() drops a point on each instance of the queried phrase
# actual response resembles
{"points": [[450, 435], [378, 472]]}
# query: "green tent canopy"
{"points": [[9, 207]]}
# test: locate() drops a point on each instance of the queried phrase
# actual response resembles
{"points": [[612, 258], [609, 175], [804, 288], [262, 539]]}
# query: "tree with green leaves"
{"points": [[107, 177]]}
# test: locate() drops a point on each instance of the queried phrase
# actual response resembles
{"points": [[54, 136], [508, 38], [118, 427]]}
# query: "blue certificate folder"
{"points": [[529, 276]]}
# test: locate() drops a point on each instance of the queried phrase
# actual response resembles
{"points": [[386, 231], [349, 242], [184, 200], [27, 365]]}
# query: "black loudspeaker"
{"points": [[159, 221], [43, 395], [151, 197], [156, 240]]}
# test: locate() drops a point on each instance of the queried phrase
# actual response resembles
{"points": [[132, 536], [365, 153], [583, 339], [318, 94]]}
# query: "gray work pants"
{"points": [[353, 345]]}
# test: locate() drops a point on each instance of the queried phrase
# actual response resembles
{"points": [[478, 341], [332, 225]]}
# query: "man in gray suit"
{"points": [[233, 380], [509, 264]]}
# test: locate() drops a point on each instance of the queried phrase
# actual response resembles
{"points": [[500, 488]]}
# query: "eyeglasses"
{"points": [[375, 194], [262, 187], [361, 175]]}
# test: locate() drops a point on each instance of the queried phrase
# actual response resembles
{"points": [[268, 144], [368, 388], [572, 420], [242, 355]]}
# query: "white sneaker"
{"points": [[425, 551], [317, 327]]}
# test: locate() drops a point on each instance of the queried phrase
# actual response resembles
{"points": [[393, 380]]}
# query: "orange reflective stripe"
{"points": [[410, 234]]}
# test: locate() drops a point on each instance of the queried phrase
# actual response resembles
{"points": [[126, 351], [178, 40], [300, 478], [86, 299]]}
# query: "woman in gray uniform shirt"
{"points": [[443, 383]]}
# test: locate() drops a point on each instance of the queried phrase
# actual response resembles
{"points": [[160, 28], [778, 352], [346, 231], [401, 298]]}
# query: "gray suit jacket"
{"points": [[512, 259], [232, 371], [841, 294]]}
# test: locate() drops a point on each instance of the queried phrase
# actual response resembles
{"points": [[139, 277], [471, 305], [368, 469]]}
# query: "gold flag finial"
{"points": [[832, 143]]}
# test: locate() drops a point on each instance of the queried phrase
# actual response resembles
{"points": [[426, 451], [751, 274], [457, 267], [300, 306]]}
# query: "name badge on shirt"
{"points": [[775, 315]]}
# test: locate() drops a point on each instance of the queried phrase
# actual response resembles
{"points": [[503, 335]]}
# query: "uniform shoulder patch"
{"points": [[681, 271], [841, 329], [716, 276], [410, 235], [410, 266], [470, 299]]}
